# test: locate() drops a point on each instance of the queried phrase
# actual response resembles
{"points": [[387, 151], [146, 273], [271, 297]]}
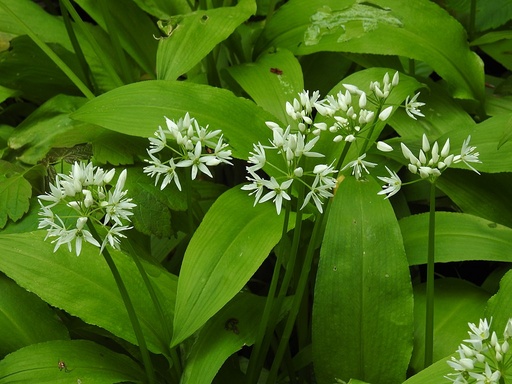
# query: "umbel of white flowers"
{"points": [[484, 357], [85, 195], [430, 162], [348, 114], [190, 146]]}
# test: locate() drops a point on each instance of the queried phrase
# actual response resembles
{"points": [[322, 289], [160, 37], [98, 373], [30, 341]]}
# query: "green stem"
{"points": [[129, 307], [472, 20], [167, 332], [265, 330], [429, 319], [52, 55], [297, 300]]}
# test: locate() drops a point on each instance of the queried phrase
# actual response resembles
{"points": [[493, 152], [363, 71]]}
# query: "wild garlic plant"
{"points": [[349, 114], [483, 358], [189, 145], [431, 161], [82, 198]]}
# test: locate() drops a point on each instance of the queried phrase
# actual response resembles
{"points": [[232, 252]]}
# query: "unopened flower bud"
{"points": [[384, 115]]}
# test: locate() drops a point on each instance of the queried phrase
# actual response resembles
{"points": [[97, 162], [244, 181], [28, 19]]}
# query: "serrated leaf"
{"points": [[15, 192], [84, 287], [84, 361], [418, 29], [363, 301], [25, 319], [186, 44]]}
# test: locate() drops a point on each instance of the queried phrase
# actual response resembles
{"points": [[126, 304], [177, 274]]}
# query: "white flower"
{"points": [[393, 184], [256, 186], [114, 236], [359, 165], [157, 168], [78, 234], [488, 377], [258, 157], [196, 161], [277, 192], [411, 106], [117, 207], [468, 155]]}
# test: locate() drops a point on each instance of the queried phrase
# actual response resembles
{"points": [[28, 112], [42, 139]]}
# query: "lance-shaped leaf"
{"points": [[232, 241], [459, 237], [68, 361], [84, 287], [139, 109], [363, 296], [419, 30], [191, 37], [25, 319], [271, 81]]}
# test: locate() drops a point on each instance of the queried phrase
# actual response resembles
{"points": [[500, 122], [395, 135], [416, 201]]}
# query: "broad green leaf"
{"points": [[459, 237], [164, 9], [50, 127], [499, 307], [25, 319], [363, 301], [139, 42], [85, 362], [232, 241], [185, 44], [456, 303], [115, 148], [25, 67], [271, 81], [497, 45], [419, 29], [434, 374], [233, 327], [442, 115], [84, 287], [6, 93], [15, 192], [139, 109], [485, 195], [152, 215]]}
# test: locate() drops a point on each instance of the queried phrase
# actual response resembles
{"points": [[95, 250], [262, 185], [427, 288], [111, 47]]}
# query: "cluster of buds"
{"points": [[483, 359], [190, 145], [84, 197], [430, 162]]}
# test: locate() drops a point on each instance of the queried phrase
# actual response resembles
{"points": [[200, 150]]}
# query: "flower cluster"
{"points": [[190, 145], [347, 115], [484, 358], [293, 147], [430, 162], [81, 197]]}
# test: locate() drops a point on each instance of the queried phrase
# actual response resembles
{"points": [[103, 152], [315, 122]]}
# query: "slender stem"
{"points": [[297, 300], [472, 20], [271, 8], [429, 319], [154, 298], [412, 67], [264, 332], [129, 307], [52, 55]]}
